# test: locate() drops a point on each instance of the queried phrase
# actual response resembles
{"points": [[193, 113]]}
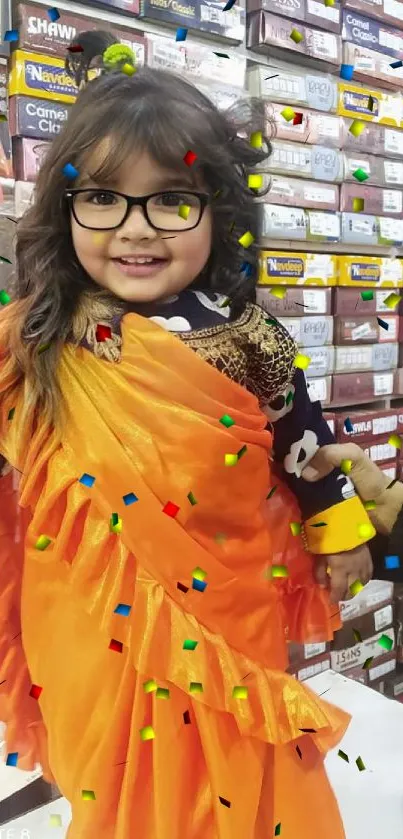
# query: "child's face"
{"points": [[184, 253]]}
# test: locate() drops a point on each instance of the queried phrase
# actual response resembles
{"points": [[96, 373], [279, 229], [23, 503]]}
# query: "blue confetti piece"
{"points": [[246, 268], [87, 480], [130, 498], [198, 585], [348, 425], [229, 5], [11, 35], [383, 323], [53, 14], [12, 759], [392, 562], [396, 64], [181, 34], [70, 171], [123, 609], [346, 72]]}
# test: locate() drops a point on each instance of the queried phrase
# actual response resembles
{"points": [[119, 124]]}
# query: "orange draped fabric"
{"points": [[148, 430]]}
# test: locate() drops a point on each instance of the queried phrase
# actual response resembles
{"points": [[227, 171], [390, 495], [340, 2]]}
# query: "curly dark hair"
{"points": [[153, 111]]}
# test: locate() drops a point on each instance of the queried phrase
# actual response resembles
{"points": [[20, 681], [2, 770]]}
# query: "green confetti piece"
{"points": [[42, 543], [4, 297], [277, 829], [11, 414], [4, 259], [357, 636], [360, 764], [360, 175], [147, 733], [369, 505], [367, 295], [150, 686], [88, 795], [343, 756], [242, 452], [356, 587], [240, 692], [319, 524], [289, 397], [227, 421], [278, 571], [115, 524], [196, 687], [295, 528], [385, 642], [162, 693], [271, 493], [189, 644], [192, 499], [227, 301], [43, 348], [367, 663], [271, 322]]}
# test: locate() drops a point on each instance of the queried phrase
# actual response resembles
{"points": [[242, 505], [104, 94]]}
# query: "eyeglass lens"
{"points": [[166, 211]]}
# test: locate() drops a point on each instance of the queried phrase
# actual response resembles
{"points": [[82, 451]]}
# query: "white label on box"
{"points": [[280, 186], [392, 8], [319, 265], [393, 141], [289, 158], [285, 86], [313, 670], [365, 62], [392, 201], [324, 224], [384, 425], [391, 270], [355, 163], [314, 300], [293, 326], [390, 107], [383, 617], [383, 384], [315, 8], [327, 127], [389, 335], [391, 228], [319, 194], [361, 331], [330, 423], [355, 357], [380, 297], [284, 218], [393, 172], [363, 225], [382, 669], [353, 656], [390, 472], [310, 650], [383, 451], [317, 390], [324, 44]]}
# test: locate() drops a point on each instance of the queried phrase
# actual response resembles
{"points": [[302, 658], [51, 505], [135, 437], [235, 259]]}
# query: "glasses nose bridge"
{"points": [[140, 202]]}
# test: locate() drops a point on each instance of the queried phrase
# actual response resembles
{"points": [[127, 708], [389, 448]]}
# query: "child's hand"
{"points": [[344, 569]]}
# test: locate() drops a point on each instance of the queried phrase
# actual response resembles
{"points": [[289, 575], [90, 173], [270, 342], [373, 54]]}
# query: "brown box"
{"points": [[310, 331], [28, 156], [398, 381], [381, 172], [369, 64], [381, 9], [350, 388], [316, 128], [348, 301], [368, 426], [297, 302], [393, 686], [38, 33], [381, 669], [271, 35], [295, 192], [328, 18], [358, 654], [303, 653], [366, 357], [373, 139], [381, 450], [318, 163], [377, 201], [365, 329], [357, 674], [307, 669], [366, 626]]}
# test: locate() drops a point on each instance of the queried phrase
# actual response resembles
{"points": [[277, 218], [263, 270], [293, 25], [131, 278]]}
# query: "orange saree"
{"points": [[175, 713]]}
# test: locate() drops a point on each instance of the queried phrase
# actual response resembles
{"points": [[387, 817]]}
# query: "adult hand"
{"points": [[369, 481], [339, 571]]}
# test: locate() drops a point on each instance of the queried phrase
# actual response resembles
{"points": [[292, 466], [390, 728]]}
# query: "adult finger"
{"points": [[328, 457]]}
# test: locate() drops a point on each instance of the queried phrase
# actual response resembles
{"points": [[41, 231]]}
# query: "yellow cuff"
{"points": [[345, 526]]}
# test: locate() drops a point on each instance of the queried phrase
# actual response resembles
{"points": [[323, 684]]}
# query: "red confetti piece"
{"points": [[190, 158], [171, 509], [116, 646], [76, 48], [186, 718], [297, 119], [224, 801], [183, 588], [299, 753], [35, 691], [103, 333]]}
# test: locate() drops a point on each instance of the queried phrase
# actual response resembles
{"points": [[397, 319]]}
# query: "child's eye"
{"points": [[99, 198], [173, 199]]}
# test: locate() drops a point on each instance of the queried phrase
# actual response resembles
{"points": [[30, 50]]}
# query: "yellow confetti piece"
{"points": [[246, 239], [240, 692], [116, 524], [184, 211], [296, 36], [357, 127], [279, 291], [162, 693], [295, 528], [346, 466], [147, 733], [231, 459], [278, 571], [196, 687], [288, 114], [369, 505], [55, 820], [358, 205], [199, 574], [256, 140], [302, 361], [255, 181], [42, 543], [98, 238], [128, 69], [88, 795], [150, 686], [365, 530], [392, 300], [395, 441], [356, 587]]}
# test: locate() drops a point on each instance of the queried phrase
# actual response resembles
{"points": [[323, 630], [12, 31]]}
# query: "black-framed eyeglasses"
{"points": [[169, 211]]}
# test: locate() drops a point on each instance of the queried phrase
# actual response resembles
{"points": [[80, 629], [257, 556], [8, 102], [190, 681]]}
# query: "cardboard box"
{"points": [[295, 192], [293, 86], [42, 76], [320, 389], [322, 361], [348, 301], [196, 62], [366, 626], [131, 7], [358, 654], [369, 64], [374, 357], [316, 162], [326, 17], [28, 156], [314, 330], [377, 201], [365, 32], [365, 330], [316, 128], [279, 222], [383, 667], [375, 594], [374, 139], [380, 171], [393, 685], [363, 229], [368, 426], [297, 301], [206, 16], [36, 118], [398, 382], [384, 10], [370, 271], [37, 33], [270, 35], [350, 388], [290, 268], [370, 104], [381, 451], [357, 674], [302, 653], [303, 671]]}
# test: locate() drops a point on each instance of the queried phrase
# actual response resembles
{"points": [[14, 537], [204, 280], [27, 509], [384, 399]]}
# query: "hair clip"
{"points": [[118, 57]]}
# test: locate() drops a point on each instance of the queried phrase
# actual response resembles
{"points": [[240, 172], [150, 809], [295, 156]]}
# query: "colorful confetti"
{"points": [[385, 642], [279, 292], [360, 175], [192, 499], [150, 686], [289, 397], [298, 119], [277, 829], [271, 493], [365, 530], [186, 717], [35, 691], [4, 259], [302, 361], [396, 64], [395, 441], [295, 527], [348, 425], [129, 499], [128, 69], [343, 756], [278, 571], [70, 171], [358, 205], [54, 15], [230, 459], [357, 127], [199, 585], [356, 587], [189, 158], [195, 687], [367, 663], [229, 5], [189, 644], [392, 300], [11, 414], [171, 509], [162, 693], [246, 268], [183, 588], [12, 759], [4, 297], [246, 239], [88, 795], [122, 609], [255, 181], [87, 480], [288, 114], [11, 35], [369, 505], [181, 34], [224, 801], [298, 751], [42, 543], [368, 294], [392, 562], [184, 211], [241, 452], [346, 72], [371, 103], [360, 764], [357, 636], [55, 820], [115, 524], [227, 420], [296, 36], [346, 466], [240, 692], [256, 140], [116, 646], [383, 324], [147, 733]]}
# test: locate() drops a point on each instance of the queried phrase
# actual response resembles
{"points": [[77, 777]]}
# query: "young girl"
{"points": [[152, 572]]}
